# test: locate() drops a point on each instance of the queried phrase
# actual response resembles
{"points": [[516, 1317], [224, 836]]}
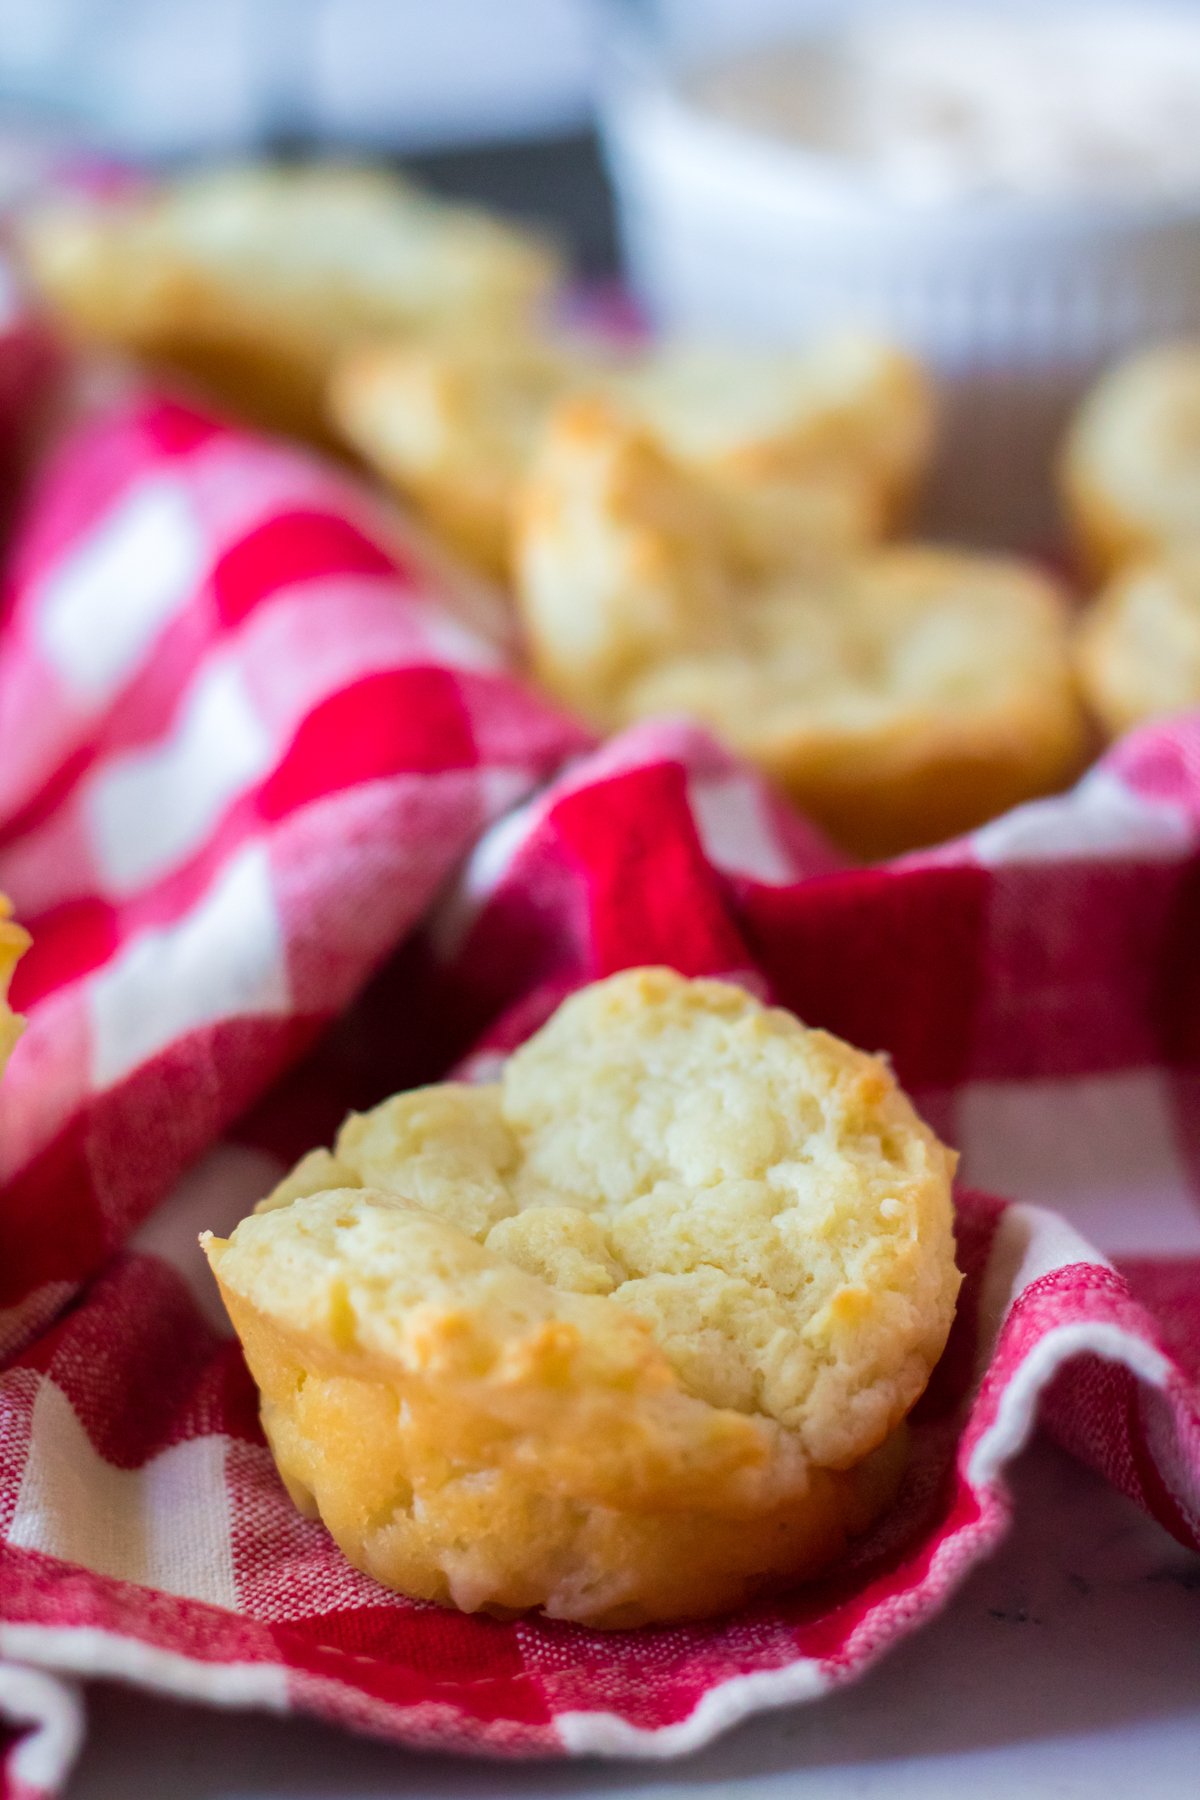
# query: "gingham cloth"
{"points": [[250, 769]]}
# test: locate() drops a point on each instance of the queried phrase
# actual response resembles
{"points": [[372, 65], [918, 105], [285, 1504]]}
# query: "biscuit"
{"points": [[899, 695], [619, 558], [453, 424], [819, 446], [249, 280], [629, 1335], [1130, 468], [848, 420], [13, 944], [1139, 644]]}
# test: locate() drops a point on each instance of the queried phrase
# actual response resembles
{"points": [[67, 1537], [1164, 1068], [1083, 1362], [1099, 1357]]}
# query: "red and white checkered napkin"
{"points": [[243, 756]]}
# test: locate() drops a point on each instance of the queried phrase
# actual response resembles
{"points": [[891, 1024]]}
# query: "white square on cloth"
{"points": [[102, 608], [165, 1524], [151, 809], [1102, 1150], [223, 959]]}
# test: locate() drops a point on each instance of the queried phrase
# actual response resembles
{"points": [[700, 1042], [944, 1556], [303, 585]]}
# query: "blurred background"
{"points": [[166, 78], [489, 98], [492, 99], [1018, 212]]}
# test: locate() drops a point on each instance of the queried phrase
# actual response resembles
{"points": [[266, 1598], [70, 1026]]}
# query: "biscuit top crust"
{"points": [[451, 401], [893, 638], [1133, 450], [761, 1196], [460, 411], [346, 248], [640, 597], [847, 398]]}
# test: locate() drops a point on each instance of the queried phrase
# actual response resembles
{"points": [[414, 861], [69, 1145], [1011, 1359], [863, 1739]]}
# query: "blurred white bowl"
{"points": [[1014, 301]]}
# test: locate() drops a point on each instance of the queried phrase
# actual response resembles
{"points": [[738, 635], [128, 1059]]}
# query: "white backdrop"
{"points": [[166, 76]]}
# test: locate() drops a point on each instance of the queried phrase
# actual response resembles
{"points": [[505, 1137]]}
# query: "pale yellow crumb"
{"points": [[819, 446], [250, 280], [626, 1335], [900, 693], [1130, 468], [1139, 644]]}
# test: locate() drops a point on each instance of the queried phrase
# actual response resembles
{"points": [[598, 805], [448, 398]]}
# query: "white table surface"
{"points": [[1068, 1666]]}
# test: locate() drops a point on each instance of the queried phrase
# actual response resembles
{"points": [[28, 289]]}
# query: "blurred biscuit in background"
{"points": [[824, 445], [1130, 467], [916, 695], [848, 417], [453, 422], [629, 1334], [621, 558], [1139, 645], [899, 694], [248, 280]]}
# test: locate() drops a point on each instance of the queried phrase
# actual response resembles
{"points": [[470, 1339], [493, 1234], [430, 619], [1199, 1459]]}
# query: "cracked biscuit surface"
{"points": [[900, 694], [850, 417], [1139, 644], [826, 443], [251, 279], [453, 423], [1130, 469], [627, 1335]]}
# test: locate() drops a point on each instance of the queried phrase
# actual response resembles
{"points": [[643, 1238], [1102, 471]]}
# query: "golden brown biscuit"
{"points": [[628, 1335], [13, 944], [900, 695], [821, 446], [453, 424], [250, 280], [1130, 468], [621, 559], [847, 420], [1139, 645], [917, 695]]}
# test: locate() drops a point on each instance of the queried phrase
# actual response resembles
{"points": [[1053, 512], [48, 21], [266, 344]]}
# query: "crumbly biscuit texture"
{"points": [[849, 413], [13, 944], [625, 1335], [1139, 645], [250, 279], [900, 694], [620, 559], [1130, 469], [453, 421], [901, 700], [823, 446]]}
